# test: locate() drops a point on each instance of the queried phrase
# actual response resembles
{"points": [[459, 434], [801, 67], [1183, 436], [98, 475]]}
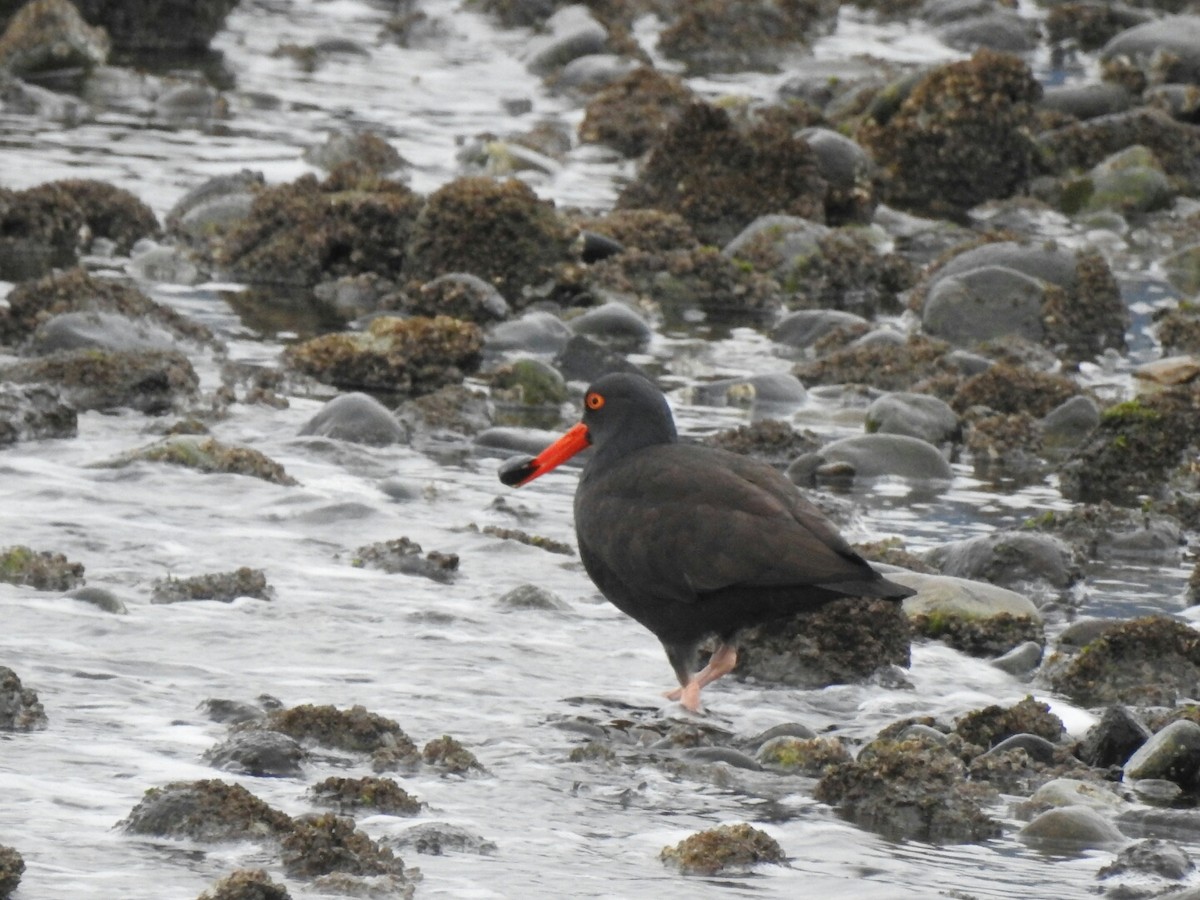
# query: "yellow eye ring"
{"points": [[593, 400]]}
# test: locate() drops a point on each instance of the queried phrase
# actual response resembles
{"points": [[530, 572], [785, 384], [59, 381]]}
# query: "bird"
{"points": [[693, 542]]}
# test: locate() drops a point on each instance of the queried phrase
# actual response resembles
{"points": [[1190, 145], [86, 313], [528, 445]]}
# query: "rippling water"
{"points": [[121, 692]]}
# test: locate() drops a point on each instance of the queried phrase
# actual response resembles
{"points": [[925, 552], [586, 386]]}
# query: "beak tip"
{"points": [[517, 470]]}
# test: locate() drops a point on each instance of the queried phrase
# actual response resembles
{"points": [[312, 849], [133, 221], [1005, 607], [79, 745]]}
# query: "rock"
{"points": [[439, 838], [1154, 858], [958, 137], [498, 230], [917, 415], [1069, 423], [1002, 30], [875, 456], [150, 381], [1103, 531], [177, 25], [12, 866], [404, 556], [223, 587], [214, 207], [1128, 182], [1086, 100], [582, 359], [409, 356], [1173, 754], [805, 327], [20, 709], [1020, 660], [779, 391], [1008, 558], [1151, 660], [99, 331], [782, 246], [992, 725], [632, 113], [1168, 45], [326, 845], [101, 598], [1169, 370], [848, 171], [259, 754], [449, 413], [594, 71], [1060, 792], [535, 332], [983, 304], [722, 850], [32, 412], [532, 597], [355, 730], [206, 811], [48, 35], [246, 884], [358, 418], [367, 149], [1114, 738], [720, 179], [207, 455], [1072, 829], [974, 617], [40, 570], [613, 324], [909, 790], [459, 295], [450, 756], [802, 756], [372, 795], [529, 392], [572, 32], [843, 642]]}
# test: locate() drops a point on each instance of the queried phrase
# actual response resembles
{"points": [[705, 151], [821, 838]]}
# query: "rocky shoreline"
{"points": [[944, 245]]}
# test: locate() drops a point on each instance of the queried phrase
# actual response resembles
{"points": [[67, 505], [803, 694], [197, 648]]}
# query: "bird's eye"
{"points": [[593, 400]]}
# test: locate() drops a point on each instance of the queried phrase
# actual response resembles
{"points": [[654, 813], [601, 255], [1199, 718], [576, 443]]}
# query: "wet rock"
{"points": [[784, 247], [237, 712], [358, 418], [958, 138], [528, 392], [31, 412], [213, 207], [993, 725], [1134, 448], [449, 411], [158, 26], [1172, 754], [355, 730], [41, 570], [12, 866], [802, 756], [297, 233], [32, 303], [207, 811], [975, 617], [850, 174], [885, 366], [1021, 659], [1060, 792], [459, 295], [150, 381], [99, 331], [499, 231], [409, 356], [1166, 47], [258, 753], [843, 642], [207, 455], [42, 230], [101, 598], [719, 178], [917, 415], [224, 587], [404, 556], [450, 756], [1112, 740], [722, 850], [874, 456], [1072, 829], [367, 149], [630, 114], [583, 359], [372, 794], [535, 332], [49, 35], [1128, 182], [806, 327], [909, 790], [594, 71], [1069, 423], [850, 272], [20, 709], [246, 884], [1081, 145], [985, 303], [1106, 532], [615, 325], [438, 838], [1008, 558], [779, 392], [327, 844], [1086, 100], [1151, 857], [532, 597], [1167, 371], [1151, 660], [571, 32]]}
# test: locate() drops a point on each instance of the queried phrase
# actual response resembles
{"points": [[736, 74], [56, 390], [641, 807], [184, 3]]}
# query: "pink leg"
{"points": [[722, 661]]}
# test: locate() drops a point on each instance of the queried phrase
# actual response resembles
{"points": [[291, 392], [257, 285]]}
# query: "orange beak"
{"points": [[521, 470]]}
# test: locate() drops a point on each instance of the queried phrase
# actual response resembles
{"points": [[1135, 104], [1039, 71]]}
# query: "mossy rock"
{"points": [[208, 455], [372, 794], [41, 570], [209, 810], [991, 725], [724, 849]]}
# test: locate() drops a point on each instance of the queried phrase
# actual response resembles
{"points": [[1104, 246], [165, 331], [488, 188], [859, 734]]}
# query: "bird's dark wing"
{"points": [[731, 522]]}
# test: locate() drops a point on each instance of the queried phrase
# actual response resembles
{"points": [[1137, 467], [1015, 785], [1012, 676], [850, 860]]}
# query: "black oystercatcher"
{"points": [[692, 541]]}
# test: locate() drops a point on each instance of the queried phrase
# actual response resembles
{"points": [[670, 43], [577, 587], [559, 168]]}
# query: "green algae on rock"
{"points": [[41, 570], [208, 455], [409, 356], [724, 849]]}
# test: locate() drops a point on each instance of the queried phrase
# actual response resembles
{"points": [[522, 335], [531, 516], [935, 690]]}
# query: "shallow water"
{"points": [[121, 692]]}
